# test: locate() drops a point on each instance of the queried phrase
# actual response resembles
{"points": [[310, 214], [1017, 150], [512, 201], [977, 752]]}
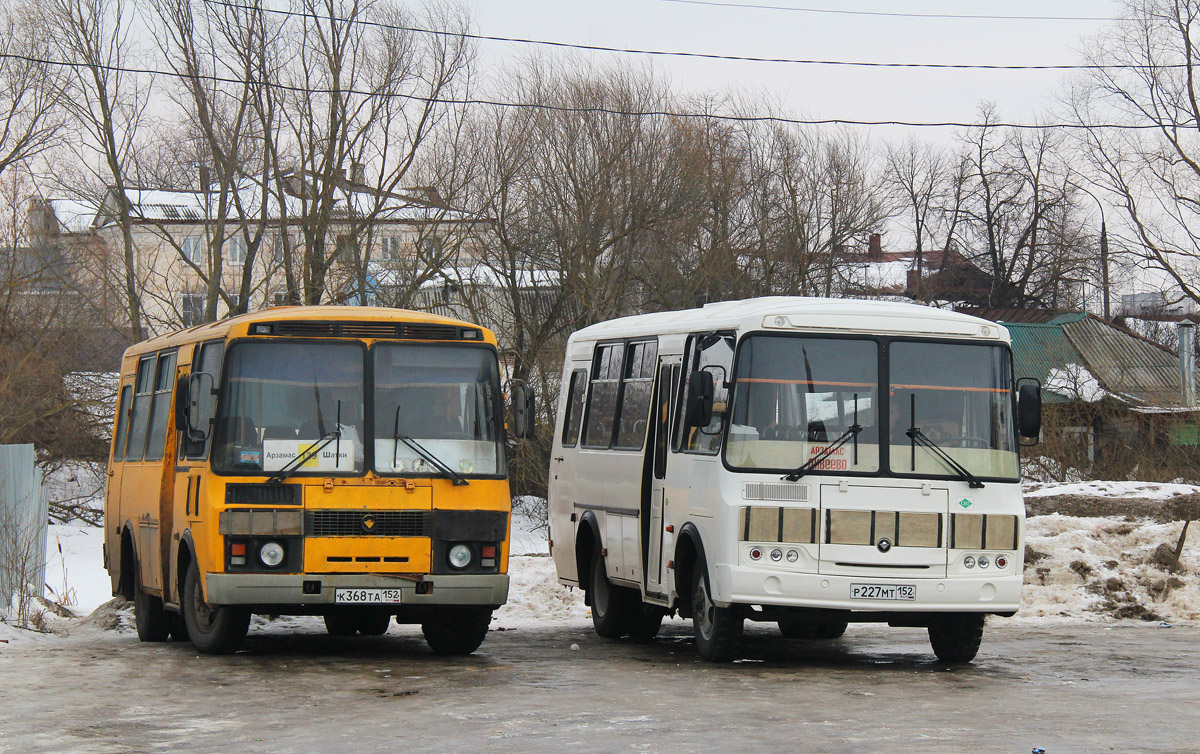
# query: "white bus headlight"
{"points": [[969, 562], [777, 555], [983, 561], [460, 556], [271, 554]]}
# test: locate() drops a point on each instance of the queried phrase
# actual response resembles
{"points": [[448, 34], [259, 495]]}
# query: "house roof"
{"points": [[1080, 357]]}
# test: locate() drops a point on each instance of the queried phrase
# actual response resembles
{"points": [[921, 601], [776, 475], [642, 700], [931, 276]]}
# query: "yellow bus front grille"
{"points": [[367, 554]]}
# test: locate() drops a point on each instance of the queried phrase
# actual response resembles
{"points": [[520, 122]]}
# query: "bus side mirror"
{"points": [[1029, 409], [700, 399], [523, 411], [196, 424]]}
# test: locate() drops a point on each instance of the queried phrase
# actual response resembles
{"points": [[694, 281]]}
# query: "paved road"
{"points": [[1073, 688]]}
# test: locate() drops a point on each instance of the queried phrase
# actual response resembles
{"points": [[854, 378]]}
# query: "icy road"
{"points": [[1065, 688]]}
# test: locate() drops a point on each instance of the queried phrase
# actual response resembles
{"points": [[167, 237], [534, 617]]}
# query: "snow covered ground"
{"points": [[1079, 569]]}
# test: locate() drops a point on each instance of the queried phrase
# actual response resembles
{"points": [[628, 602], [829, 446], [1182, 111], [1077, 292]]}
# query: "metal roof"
{"points": [[1132, 369]]}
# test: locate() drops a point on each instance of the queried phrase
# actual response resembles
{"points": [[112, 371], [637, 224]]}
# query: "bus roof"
{"points": [[240, 324], [799, 313]]}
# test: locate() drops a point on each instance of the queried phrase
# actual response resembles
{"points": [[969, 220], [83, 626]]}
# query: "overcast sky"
{"points": [[824, 91]]}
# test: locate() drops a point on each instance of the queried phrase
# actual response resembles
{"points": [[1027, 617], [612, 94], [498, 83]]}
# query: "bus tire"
{"points": [[152, 620], [645, 626], [612, 606], [718, 630], [213, 630], [956, 637], [341, 624], [178, 627], [374, 624], [830, 630], [797, 630], [456, 630]]}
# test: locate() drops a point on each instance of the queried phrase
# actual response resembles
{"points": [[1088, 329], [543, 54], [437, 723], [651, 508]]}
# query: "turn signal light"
{"points": [[238, 549], [487, 551]]}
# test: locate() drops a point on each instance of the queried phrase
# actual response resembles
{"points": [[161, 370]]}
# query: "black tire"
{"points": [[457, 630], [178, 627], [214, 630], [613, 607], [341, 624], [794, 630], [374, 624], [830, 630], [718, 630], [646, 624], [153, 621], [955, 638]]}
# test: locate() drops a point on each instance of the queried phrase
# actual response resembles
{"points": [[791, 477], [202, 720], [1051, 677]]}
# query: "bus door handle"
{"points": [[558, 458]]}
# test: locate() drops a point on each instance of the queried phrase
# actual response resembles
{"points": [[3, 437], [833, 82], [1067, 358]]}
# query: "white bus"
{"points": [[808, 462]]}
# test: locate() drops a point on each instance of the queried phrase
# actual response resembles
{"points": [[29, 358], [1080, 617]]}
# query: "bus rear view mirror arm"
{"points": [[700, 399]]}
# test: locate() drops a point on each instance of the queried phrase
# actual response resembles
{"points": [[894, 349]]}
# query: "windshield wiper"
{"points": [[920, 438], [298, 461], [438, 463], [816, 460]]}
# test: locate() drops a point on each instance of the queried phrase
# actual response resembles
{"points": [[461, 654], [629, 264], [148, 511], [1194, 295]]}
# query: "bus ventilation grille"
{"points": [[270, 494], [796, 493], [387, 330], [368, 523]]}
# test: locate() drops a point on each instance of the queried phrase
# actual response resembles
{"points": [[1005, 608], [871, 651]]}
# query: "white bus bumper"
{"points": [[999, 593]]}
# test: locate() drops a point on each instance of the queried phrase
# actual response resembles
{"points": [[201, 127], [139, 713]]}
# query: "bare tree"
{"points": [[919, 176], [1152, 170], [107, 103]]}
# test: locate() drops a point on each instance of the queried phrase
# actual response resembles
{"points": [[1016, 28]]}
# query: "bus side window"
{"points": [[574, 408], [160, 406], [139, 417], [118, 450], [602, 405], [211, 355]]}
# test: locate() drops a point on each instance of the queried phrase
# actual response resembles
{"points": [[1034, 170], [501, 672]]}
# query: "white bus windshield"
{"points": [[797, 396]]}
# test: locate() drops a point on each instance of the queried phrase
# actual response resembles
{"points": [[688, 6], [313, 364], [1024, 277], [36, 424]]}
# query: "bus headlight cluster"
{"points": [[776, 555], [271, 554], [460, 556]]}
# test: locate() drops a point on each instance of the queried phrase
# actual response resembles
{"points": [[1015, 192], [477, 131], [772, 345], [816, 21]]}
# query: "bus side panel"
{"points": [[114, 521]]}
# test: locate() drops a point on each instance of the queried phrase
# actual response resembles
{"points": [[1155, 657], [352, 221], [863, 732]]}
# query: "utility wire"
{"points": [[476, 101], [833, 11], [670, 53]]}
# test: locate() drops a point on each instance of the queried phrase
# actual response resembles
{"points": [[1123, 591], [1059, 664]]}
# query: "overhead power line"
{"points": [[671, 53], [896, 14], [595, 110]]}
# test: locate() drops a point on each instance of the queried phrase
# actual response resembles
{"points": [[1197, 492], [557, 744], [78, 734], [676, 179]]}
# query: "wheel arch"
{"points": [[183, 560], [127, 563], [689, 550], [587, 539]]}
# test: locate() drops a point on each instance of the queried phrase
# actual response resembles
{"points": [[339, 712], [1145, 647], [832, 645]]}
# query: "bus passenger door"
{"points": [[654, 497]]}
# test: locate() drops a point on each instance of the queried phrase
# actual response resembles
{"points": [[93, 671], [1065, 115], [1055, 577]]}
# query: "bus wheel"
{"points": [[178, 627], [341, 624], [153, 622], [795, 630], [213, 630], [718, 629], [612, 606], [830, 630], [374, 624], [956, 637], [645, 626], [456, 630]]}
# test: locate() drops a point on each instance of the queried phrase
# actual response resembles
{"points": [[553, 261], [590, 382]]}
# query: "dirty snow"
{"points": [[1126, 490]]}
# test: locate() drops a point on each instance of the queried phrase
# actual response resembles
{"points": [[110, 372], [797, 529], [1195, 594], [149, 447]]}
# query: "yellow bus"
{"points": [[347, 462]]}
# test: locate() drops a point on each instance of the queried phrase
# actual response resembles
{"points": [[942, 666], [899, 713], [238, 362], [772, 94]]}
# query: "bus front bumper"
{"points": [[999, 593], [289, 588]]}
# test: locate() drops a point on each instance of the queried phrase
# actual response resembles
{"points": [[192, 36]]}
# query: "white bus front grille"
{"points": [[791, 493]]}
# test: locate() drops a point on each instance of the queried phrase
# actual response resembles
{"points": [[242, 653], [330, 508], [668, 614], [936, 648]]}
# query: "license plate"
{"points": [[367, 596], [883, 592]]}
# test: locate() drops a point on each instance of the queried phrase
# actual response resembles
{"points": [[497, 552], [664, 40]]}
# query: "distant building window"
{"points": [[432, 246], [280, 298], [192, 249], [235, 250], [389, 248], [191, 309]]}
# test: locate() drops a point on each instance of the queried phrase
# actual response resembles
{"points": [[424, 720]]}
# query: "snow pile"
{"points": [[535, 597], [1126, 490], [1106, 568]]}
